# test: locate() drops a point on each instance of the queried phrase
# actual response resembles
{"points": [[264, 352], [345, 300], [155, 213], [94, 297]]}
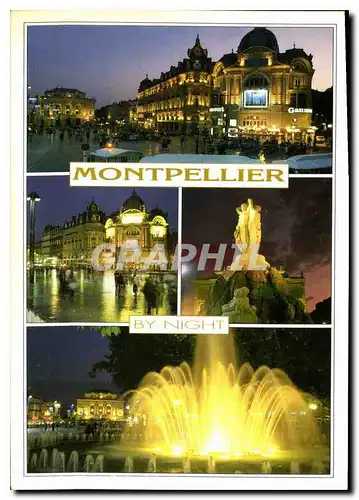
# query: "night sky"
{"points": [[108, 62], [296, 227], [59, 202], [59, 360]]}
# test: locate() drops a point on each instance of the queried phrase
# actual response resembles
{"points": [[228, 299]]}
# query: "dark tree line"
{"points": [[304, 354]]}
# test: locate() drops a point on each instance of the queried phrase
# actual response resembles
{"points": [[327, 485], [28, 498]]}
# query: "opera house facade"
{"points": [[257, 91]]}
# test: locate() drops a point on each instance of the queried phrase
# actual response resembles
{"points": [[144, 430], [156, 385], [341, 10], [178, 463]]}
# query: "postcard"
{"points": [[180, 256]]}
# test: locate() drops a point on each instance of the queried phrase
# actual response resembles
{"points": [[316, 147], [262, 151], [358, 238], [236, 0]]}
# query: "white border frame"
{"points": [[340, 240]]}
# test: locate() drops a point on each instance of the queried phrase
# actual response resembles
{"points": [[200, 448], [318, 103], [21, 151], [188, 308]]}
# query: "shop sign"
{"points": [[300, 110], [216, 110]]}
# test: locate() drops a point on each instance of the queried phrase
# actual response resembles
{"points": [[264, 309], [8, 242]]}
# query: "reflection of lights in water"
{"points": [[55, 298], [108, 296]]}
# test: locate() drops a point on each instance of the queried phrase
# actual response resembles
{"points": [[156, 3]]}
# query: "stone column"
{"points": [[228, 83]]}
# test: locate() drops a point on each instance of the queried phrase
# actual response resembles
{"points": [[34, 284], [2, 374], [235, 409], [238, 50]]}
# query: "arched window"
{"points": [[254, 81], [133, 231]]}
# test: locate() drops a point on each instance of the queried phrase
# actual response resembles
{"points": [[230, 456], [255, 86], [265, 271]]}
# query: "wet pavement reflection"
{"points": [[94, 297]]}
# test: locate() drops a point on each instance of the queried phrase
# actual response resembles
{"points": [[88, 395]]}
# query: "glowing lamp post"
{"points": [[32, 198]]}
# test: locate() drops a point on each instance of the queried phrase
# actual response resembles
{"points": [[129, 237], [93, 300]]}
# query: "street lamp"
{"points": [[32, 198]]}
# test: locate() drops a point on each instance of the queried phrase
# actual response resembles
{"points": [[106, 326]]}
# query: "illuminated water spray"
{"points": [[216, 407]]}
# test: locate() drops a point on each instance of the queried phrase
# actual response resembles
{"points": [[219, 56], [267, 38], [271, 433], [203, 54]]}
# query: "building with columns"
{"points": [[100, 405], [261, 92], [257, 91], [64, 107], [179, 100], [136, 226]]}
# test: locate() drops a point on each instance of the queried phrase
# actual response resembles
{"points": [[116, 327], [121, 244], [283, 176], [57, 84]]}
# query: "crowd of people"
{"points": [[94, 135], [153, 287]]}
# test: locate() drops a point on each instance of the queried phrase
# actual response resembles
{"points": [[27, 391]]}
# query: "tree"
{"points": [[131, 356]]}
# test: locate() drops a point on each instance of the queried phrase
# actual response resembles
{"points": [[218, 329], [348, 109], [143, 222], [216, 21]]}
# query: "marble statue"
{"points": [[248, 234], [239, 309]]}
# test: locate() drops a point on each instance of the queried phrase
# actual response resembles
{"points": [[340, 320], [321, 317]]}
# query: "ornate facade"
{"points": [[62, 106], [100, 405], [179, 100], [264, 92], [75, 240], [256, 91], [135, 226]]}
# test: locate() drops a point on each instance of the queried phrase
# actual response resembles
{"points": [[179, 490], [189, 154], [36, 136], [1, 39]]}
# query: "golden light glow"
{"points": [[239, 411], [312, 406], [132, 218], [158, 231]]}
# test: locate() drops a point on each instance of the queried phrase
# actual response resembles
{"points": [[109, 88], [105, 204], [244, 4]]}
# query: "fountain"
{"points": [[211, 466], [266, 467], [99, 463], [186, 464], [73, 463], [89, 464], [43, 460], [128, 464], [152, 464], [220, 411]]}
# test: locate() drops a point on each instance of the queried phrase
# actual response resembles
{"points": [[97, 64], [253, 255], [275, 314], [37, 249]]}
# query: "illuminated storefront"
{"points": [[100, 405], [256, 92]]}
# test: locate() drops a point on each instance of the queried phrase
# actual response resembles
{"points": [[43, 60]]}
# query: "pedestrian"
{"points": [[151, 296], [182, 139], [85, 151], [197, 144]]}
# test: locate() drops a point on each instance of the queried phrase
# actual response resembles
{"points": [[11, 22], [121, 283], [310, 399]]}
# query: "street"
{"points": [[50, 154], [94, 300]]}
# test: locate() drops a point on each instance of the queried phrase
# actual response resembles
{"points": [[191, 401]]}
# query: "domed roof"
{"points": [[146, 83], [134, 202], [259, 37]]}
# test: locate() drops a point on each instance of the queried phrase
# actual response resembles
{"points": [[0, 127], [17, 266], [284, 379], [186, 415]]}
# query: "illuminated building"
{"points": [[179, 100], [75, 240], [135, 226], [62, 106], [100, 405], [40, 410], [256, 92], [118, 112], [264, 92]]}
